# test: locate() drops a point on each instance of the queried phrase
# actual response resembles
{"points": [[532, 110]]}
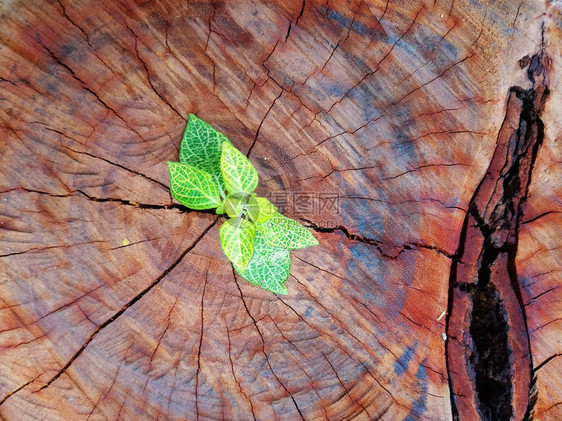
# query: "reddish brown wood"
{"points": [[487, 297], [116, 303]]}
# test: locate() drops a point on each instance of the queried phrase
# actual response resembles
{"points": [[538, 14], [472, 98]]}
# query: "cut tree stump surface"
{"points": [[421, 141]]}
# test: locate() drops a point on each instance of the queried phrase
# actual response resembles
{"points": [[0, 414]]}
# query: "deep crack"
{"points": [[493, 359], [125, 202], [373, 242]]}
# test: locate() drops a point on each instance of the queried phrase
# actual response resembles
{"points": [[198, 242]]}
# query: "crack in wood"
{"points": [[345, 388], [202, 316], [65, 246], [528, 221], [490, 362], [118, 314], [101, 158], [149, 79], [378, 65], [240, 388], [262, 121], [158, 343], [104, 395], [296, 361], [296, 22], [255, 323], [87, 37], [541, 365], [341, 325], [340, 42], [376, 243], [88, 89], [433, 80], [125, 202], [5, 398]]}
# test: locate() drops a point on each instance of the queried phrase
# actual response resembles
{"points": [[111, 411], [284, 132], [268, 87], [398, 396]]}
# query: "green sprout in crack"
{"points": [[257, 239]]}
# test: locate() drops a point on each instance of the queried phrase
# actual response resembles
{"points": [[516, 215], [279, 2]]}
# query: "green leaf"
{"points": [[269, 267], [233, 205], [201, 147], [237, 241], [238, 172], [260, 209], [281, 231], [192, 187]]}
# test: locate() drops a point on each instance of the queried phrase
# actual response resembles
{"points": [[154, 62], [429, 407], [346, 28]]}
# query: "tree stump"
{"points": [[419, 140]]}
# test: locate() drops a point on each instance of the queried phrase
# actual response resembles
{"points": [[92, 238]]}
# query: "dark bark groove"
{"points": [[490, 362]]}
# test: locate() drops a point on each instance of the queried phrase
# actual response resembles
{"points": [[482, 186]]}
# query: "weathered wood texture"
{"points": [[117, 304]]}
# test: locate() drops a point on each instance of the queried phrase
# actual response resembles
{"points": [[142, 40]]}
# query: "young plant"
{"points": [[256, 239]]}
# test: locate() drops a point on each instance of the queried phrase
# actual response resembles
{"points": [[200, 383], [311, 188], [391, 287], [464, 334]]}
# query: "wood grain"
{"points": [[117, 303]]}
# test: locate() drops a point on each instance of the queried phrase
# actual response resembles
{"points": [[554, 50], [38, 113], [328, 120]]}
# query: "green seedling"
{"points": [[257, 239]]}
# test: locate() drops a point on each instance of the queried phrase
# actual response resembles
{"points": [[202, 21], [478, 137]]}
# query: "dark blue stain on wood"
{"points": [[336, 90], [454, 202], [424, 43], [368, 277], [318, 95], [362, 253], [420, 404], [476, 4], [365, 96], [452, 51], [428, 38], [67, 50], [401, 365], [356, 62], [354, 25], [412, 49], [100, 39], [404, 146], [368, 221], [52, 90]]}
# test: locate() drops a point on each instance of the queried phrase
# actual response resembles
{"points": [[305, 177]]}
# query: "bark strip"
{"points": [[488, 353]]}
